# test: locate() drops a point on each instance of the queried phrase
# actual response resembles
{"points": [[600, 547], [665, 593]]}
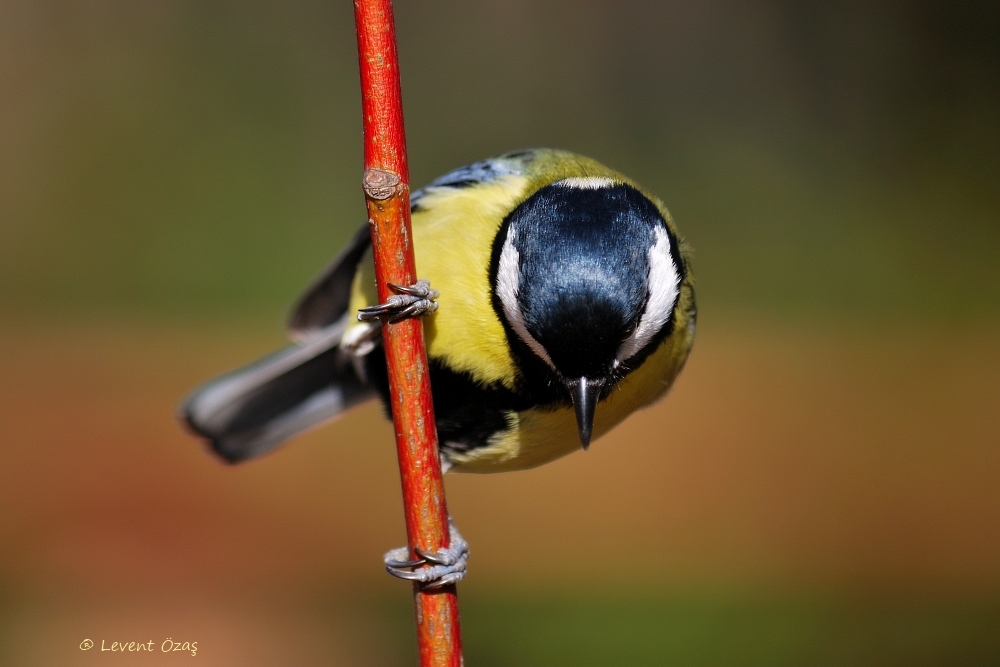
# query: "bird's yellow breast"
{"points": [[453, 233]]}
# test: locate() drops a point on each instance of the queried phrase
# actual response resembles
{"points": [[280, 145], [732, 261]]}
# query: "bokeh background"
{"points": [[822, 487]]}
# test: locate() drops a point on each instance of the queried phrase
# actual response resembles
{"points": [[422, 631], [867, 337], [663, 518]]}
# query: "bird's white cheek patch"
{"points": [[664, 286], [508, 286]]}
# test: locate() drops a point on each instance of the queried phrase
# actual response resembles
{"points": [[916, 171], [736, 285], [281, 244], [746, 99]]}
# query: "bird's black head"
{"points": [[585, 277]]}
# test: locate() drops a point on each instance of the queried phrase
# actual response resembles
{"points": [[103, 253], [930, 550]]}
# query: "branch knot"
{"points": [[380, 184]]}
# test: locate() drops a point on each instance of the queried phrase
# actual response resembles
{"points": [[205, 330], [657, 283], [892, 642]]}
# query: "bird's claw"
{"points": [[431, 570], [421, 288], [412, 301]]}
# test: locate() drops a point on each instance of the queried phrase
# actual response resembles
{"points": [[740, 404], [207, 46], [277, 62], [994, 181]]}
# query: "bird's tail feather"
{"points": [[252, 410]]}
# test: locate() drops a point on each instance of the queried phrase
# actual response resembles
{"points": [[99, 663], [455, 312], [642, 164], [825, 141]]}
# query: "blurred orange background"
{"points": [[822, 486]]}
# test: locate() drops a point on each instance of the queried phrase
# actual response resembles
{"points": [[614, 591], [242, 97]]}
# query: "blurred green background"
{"points": [[823, 486]]}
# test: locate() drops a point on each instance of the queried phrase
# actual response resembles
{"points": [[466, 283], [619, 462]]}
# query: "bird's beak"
{"points": [[585, 393]]}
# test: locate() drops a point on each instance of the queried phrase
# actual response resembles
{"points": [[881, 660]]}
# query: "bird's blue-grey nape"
{"points": [[582, 248], [484, 171]]}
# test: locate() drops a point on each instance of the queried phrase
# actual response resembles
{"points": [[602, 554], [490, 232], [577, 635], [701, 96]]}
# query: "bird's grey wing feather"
{"points": [[324, 302], [252, 410]]}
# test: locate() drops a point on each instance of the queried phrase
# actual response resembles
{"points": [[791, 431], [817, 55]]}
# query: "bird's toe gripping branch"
{"points": [[412, 301], [431, 570]]}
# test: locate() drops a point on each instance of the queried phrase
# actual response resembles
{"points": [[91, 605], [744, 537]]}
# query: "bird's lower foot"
{"points": [[412, 301], [431, 570]]}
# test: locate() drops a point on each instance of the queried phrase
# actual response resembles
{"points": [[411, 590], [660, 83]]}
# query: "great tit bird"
{"points": [[566, 302]]}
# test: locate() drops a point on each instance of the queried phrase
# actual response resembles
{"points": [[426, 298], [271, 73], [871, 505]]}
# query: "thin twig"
{"points": [[387, 191]]}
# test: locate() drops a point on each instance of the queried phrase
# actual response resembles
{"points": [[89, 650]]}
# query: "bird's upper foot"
{"points": [[431, 570], [412, 301]]}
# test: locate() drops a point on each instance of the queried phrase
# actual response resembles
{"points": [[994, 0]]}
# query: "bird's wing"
{"points": [[324, 302]]}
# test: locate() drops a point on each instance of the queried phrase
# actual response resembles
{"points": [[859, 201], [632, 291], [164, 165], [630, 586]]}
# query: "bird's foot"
{"points": [[412, 301], [431, 570]]}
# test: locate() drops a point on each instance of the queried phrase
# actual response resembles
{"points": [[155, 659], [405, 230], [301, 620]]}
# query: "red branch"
{"points": [[387, 191]]}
